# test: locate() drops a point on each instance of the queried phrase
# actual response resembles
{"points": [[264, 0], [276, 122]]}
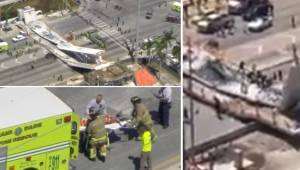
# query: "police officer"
{"points": [[165, 97], [142, 117], [98, 104], [97, 136]]}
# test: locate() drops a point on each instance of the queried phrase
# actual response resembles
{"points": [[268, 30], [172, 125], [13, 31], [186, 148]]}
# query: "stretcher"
{"points": [[111, 122]]}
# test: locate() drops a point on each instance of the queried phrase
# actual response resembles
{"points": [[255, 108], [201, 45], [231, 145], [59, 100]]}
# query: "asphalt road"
{"points": [[31, 68], [283, 10], [206, 123], [105, 17], [124, 153]]}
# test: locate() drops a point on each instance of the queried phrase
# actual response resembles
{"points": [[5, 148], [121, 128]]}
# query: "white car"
{"points": [[171, 60], [260, 23], [19, 38]]}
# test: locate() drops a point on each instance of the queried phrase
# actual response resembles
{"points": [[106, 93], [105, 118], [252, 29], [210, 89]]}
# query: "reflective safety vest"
{"points": [[146, 142]]}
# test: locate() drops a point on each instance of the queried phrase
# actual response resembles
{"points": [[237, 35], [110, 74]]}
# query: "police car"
{"points": [[260, 23]]}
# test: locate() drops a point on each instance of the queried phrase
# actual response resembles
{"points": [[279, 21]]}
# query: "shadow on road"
{"points": [[135, 161], [155, 116], [130, 132], [113, 137]]}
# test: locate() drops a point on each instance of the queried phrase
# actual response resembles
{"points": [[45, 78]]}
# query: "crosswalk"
{"points": [[108, 30], [116, 49]]}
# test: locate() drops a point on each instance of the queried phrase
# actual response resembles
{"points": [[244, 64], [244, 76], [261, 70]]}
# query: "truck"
{"points": [[3, 46], [38, 131]]}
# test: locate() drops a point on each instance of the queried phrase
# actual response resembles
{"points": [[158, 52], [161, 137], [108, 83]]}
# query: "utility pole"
{"points": [[294, 47], [191, 101], [295, 55], [137, 30]]}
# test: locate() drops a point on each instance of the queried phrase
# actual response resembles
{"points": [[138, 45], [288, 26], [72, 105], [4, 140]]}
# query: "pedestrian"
{"points": [[165, 98], [97, 136], [274, 76], [223, 33], [98, 104], [242, 67], [280, 76], [141, 117], [146, 149], [293, 21]]}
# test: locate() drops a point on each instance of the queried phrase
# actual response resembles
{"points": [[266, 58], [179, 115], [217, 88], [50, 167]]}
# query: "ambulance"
{"points": [[37, 130]]}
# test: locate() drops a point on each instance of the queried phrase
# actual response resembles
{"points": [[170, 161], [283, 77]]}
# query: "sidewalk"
{"points": [[265, 52]]}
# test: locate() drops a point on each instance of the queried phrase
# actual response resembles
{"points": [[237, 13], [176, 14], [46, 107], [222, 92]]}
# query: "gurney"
{"points": [[111, 122]]}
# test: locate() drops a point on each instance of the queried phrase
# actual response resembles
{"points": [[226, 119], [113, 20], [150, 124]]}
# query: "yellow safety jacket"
{"points": [[146, 141]]}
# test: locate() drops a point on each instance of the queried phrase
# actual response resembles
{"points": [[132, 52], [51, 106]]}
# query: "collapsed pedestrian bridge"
{"points": [[82, 55]]}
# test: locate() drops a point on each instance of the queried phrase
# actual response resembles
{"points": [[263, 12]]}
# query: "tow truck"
{"points": [[38, 131]]}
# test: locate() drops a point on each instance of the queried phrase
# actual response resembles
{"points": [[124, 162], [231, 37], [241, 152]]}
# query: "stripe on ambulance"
{"points": [[35, 151]]}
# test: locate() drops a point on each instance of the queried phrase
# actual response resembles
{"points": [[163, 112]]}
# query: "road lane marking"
{"points": [[167, 163]]}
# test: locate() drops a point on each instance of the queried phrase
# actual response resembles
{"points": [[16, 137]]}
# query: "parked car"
{"points": [[174, 18], [214, 22], [19, 38], [262, 9], [241, 6], [196, 18], [260, 23]]}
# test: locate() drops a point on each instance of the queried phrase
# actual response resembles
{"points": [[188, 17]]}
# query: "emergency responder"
{"points": [[98, 104], [142, 117], [165, 97], [146, 148], [97, 136]]}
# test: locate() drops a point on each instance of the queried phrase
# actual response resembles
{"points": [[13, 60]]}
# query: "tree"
{"points": [[159, 51], [148, 46], [131, 50], [167, 39], [176, 51]]}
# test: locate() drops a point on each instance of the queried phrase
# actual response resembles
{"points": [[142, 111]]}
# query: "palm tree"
{"points": [[148, 46], [166, 40], [159, 51]]}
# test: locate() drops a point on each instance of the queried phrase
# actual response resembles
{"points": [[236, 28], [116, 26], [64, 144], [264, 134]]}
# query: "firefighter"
{"points": [[142, 117], [97, 137]]}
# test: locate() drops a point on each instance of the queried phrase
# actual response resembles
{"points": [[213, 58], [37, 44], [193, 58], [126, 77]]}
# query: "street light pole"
{"points": [[137, 30], [190, 87]]}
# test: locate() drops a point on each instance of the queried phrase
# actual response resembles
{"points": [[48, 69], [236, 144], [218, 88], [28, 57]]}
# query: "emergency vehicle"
{"points": [[37, 130]]}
